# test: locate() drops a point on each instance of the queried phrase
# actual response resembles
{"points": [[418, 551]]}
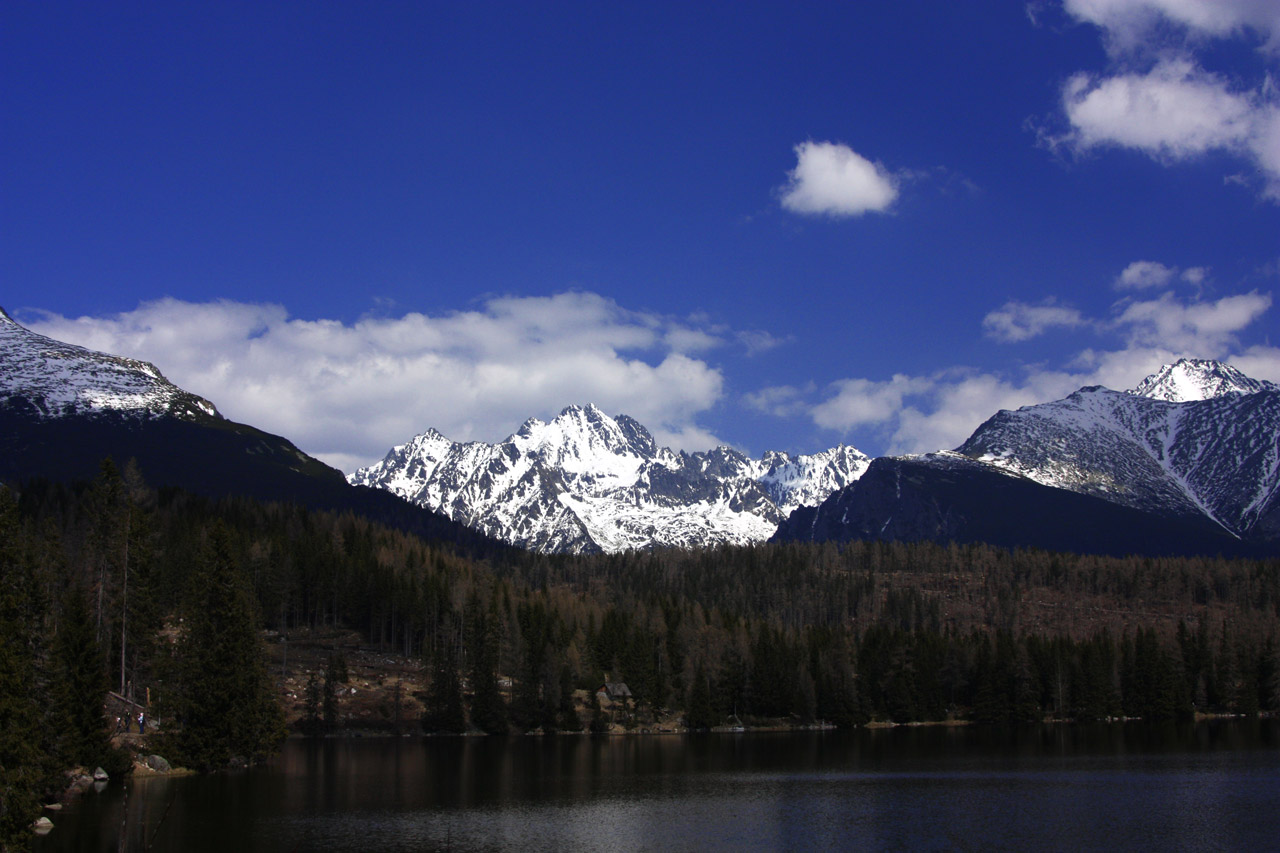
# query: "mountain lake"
{"points": [[1214, 785]]}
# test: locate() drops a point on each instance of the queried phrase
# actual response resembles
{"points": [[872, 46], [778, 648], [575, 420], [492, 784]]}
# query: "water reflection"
{"points": [[1067, 787]]}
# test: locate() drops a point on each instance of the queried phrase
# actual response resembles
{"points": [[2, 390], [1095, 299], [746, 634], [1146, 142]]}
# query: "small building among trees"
{"points": [[614, 691]]}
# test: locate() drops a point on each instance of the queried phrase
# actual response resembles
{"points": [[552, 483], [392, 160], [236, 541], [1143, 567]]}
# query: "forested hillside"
{"points": [[111, 585]]}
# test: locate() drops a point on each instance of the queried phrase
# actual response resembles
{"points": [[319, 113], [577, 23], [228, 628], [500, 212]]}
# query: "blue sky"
{"points": [[773, 225]]}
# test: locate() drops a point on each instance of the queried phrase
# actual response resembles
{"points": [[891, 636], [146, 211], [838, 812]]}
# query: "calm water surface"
{"points": [[1214, 786]]}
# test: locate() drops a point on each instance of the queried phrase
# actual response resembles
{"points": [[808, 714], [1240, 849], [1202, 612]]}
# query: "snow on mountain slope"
{"points": [[587, 482], [1191, 379], [1191, 440], [57, 379]]}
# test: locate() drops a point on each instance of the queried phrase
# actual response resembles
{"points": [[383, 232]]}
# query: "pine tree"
{"points": [[488, 711], [700, 714], [567, 720], [81, 684], [443, 713], [226, 704], [22, 774]]}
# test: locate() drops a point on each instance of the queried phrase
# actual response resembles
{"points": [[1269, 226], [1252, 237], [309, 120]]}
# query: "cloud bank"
{"points": [[835, 180], [347, 393], [917, 414]]}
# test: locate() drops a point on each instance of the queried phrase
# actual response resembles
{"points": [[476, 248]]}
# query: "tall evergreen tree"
{"points": [[701, 715], [81, 684], [488, 711], [226, 705], [22, 772], [443, 713]]}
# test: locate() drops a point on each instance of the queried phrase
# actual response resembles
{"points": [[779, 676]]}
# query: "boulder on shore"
{"points": [[158, 764]]}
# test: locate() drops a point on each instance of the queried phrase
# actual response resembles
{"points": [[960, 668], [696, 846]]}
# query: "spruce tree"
{"points": [[443, 713], [22, 775], [700, 715], [81, 684], [488, 711], [226, 705]]}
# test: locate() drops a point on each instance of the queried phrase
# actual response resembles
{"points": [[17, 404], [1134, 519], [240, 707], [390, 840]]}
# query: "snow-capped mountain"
{"points": [[1186, 463], [55, 379], [64, 408], [587, 482], [1190, 379], [1196, 439]]}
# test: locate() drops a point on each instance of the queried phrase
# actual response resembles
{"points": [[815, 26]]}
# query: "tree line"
{"points": [[162, 594]]}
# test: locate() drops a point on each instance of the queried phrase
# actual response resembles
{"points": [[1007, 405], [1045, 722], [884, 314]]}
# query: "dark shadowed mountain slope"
{"points": [[948, 498]]}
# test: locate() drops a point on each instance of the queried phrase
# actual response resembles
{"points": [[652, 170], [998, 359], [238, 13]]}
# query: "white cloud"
{"points": [[1260, 362], [959, 402], [1147, 275], [1195, 275], [1160, 99], [861, 401], [940, 410], [347, 393], [1174, 111], [1018, 321], [1140, 275], [1131, 23], [756, 341], [779, 400], [833, 179], [1205, 327]]}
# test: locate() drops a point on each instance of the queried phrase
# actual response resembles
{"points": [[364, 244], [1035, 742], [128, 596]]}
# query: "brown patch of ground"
{"points": [[382, 692]]}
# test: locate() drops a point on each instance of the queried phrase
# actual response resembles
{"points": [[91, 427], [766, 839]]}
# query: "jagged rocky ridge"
{"points": [[1193, 452], [587, 482]]}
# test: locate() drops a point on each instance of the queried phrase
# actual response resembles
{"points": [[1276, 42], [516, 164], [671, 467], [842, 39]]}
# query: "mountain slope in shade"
{"points": [[63, 409], [947, 497], [586, 482]]}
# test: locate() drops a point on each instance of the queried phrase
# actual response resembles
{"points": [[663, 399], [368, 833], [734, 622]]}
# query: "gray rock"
{"points": [[159, 764], [100, 775]]}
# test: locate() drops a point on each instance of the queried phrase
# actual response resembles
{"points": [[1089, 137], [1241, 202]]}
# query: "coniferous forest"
{"points": [[114, 586]]}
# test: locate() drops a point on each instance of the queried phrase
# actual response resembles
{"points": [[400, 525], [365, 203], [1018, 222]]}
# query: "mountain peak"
{"points": [[56, 378], [1190, 379], [587, 481]]}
